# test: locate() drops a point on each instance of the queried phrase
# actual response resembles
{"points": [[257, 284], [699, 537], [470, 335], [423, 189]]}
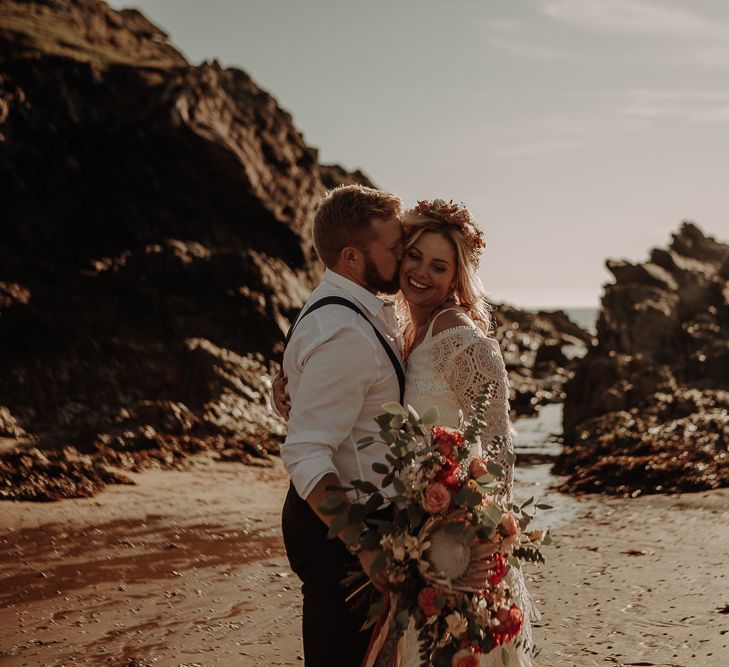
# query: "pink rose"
{"points": [[477, 468], [426, 601], [436, 498], [465, 658], [510, 523]]}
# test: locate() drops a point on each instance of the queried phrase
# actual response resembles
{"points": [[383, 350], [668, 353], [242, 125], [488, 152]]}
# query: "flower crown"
{"points": [[458, 215]]}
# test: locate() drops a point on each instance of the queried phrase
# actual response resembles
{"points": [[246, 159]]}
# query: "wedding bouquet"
{"points": [[450, 543]]}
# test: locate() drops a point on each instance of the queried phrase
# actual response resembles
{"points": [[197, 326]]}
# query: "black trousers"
{"points": [[331, 627]]}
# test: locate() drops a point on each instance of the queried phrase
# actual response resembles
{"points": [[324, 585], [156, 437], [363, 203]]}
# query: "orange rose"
{"points": [[465, 658], [510, 523], [436, 498]]}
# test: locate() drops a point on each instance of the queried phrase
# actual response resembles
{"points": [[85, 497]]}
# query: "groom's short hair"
{"points": [[344, 218]]}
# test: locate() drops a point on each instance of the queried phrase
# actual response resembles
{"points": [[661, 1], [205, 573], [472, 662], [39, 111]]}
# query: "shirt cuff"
{"points": [[305, 475]]}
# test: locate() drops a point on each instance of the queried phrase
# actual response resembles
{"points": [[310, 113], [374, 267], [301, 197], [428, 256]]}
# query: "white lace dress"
{"points": [[448, 370]]}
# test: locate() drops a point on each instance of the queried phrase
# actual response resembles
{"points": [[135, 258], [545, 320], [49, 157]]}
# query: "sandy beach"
{"points": [[187, 568]]}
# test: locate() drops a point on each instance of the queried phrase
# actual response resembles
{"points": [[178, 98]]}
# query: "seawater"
{"points": [[537, 442]]}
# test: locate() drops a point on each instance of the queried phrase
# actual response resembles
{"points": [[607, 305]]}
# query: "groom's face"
{"points": [[383, 255]]}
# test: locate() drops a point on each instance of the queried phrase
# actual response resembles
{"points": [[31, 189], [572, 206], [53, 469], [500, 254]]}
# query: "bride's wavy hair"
{"points": [[454, 222]]}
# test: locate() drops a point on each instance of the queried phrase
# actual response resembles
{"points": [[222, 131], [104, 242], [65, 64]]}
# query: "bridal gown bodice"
{"points": [[447, 370]]}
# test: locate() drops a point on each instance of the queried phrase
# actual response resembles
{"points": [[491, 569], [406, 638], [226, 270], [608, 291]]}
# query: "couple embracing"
{"points": [[400, 316]]}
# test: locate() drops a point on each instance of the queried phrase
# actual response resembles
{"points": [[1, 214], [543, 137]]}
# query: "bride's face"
{"points": [[428, 271]]}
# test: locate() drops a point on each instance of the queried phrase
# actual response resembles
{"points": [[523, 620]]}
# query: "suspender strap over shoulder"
{"points": [[341, 301]]}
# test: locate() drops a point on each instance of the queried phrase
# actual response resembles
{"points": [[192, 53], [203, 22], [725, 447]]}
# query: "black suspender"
{"points": [[338, 300]]}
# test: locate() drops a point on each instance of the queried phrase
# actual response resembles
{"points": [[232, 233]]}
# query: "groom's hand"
{"points": [[366, 559]]}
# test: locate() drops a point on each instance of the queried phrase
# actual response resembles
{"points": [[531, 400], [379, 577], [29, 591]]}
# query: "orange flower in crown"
{"points": [[458, 215]]}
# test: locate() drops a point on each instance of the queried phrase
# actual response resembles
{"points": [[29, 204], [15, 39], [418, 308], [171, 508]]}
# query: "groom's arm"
{"points": [[314, 499], [336, 378], [337, 374]]}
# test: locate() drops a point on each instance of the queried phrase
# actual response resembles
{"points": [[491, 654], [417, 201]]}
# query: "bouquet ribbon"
{"points": [[379, 635]]}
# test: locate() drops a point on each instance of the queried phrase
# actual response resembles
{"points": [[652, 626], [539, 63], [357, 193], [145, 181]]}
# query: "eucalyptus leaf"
{"points": [[366, 440], [332, 504], [355, 514], [494, 468], [380, 468], [393, 408], [351, 535], [364, 486], [430, 417], [370, 539], [543, 506], [373, 503], [415, 515], [494, 514], [388, 437], [403, 618], [338, 524]]}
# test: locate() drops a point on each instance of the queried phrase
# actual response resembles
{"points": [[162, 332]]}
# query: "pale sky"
{"points": [[574, 129]]}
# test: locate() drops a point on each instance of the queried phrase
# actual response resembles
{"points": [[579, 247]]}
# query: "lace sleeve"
{"points": [[477, 363]]}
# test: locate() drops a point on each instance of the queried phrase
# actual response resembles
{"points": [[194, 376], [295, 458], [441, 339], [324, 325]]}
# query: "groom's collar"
{"points": [[370, 301]]}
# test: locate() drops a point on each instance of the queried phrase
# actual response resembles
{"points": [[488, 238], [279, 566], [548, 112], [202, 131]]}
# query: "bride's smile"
{"points": [[427, 272]]}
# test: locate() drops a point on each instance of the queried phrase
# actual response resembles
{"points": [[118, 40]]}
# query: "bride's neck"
{"points": [[420, 316]]}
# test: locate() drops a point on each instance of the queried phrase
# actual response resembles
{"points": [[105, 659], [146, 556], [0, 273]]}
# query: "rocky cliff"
{"points": [[154, 245], [648, 407]]}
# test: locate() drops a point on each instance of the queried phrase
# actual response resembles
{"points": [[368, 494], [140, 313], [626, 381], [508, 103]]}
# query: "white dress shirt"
{"points": [[339, 376]]}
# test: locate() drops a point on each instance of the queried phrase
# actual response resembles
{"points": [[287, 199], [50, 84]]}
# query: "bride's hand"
{"points": [[366, 559], [281, 400]]}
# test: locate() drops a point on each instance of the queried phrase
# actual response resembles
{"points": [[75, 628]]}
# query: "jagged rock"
{"points": [[647, 409], [155, 245], [533, 345]]}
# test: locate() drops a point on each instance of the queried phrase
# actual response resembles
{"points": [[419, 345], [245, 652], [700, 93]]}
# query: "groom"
{"points": [[343, 361]]}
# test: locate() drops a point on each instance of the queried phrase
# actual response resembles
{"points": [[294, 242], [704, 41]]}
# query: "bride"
{"points": [[450, 355]]}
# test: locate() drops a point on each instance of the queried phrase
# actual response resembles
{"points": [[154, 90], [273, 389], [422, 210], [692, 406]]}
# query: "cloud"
{"points": [[692, 105], [628, 16], [518, 39]]}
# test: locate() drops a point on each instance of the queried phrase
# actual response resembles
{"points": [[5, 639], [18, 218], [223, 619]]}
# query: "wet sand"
{"points": [[187, 568]]}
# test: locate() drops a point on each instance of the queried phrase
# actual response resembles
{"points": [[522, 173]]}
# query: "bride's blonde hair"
{"points": [[454, 222]]}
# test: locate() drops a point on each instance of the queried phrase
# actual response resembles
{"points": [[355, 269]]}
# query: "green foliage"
{"points": [[364, 486], [430, 417], [494, 468], [528, 553], [332, 504]]}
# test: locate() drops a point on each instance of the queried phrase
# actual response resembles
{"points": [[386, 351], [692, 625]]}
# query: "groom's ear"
{"points": [[350, 256]]}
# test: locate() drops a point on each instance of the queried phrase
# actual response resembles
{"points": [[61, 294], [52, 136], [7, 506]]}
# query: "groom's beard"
{"points": [[374, 280]]}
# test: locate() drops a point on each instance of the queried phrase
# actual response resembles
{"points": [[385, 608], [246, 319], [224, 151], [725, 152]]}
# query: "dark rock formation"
{"points": [[648, 407], [154, 245], [153, 248], [535, 349]]}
